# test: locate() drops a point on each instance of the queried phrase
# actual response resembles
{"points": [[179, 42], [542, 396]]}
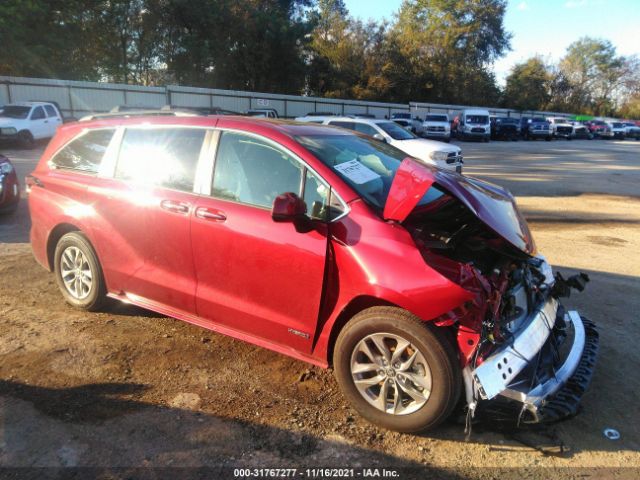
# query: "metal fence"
{"points": [[80, 98], [77, 98]]}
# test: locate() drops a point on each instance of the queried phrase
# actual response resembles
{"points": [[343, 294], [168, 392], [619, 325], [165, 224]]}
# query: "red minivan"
{"points": [[416, 285]]}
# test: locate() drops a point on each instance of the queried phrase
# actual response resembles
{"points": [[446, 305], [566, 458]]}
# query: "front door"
{"points": [[38, 123], [254, 275]]}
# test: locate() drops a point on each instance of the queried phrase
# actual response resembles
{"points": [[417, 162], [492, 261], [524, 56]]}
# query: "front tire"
{"points": [[25, 139], [397, 371], [78, 272]]}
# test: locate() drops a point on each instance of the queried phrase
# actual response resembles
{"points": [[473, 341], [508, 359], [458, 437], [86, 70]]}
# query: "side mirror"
{"points": [[288, 207], [379, 137]]}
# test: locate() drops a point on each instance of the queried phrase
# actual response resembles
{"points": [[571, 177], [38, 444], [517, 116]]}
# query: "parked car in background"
{"points": [[9, 186], [504, 128], [27, 122], [534, 128], [418, 286], [561, 127], [631, 130], [263, 113], [65, 118], [473, 124], [436, 126], [429, 151], [416, 122], [616, 131], [581, 132], [598, 128]]}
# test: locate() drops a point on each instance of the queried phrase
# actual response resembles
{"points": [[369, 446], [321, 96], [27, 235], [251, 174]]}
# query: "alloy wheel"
{"points": [[391, 373], [76, 273]]}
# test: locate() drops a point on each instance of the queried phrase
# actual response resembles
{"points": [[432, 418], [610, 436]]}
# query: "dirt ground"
{"points": [[111, 394]]}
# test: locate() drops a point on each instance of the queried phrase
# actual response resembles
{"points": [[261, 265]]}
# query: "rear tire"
{"points": [[78, 272], [421, 382]]}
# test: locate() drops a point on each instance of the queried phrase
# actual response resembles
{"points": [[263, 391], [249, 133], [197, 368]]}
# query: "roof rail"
{"points": [[138, 113]]}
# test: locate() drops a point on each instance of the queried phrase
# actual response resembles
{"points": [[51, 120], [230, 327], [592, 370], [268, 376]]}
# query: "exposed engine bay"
{"points": [[518, 347]]}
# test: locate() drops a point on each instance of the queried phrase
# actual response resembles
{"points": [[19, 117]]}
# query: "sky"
{"points": [[544, 27]]}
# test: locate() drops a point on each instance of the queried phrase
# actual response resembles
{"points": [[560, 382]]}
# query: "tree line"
{"points": [[432, 50]]}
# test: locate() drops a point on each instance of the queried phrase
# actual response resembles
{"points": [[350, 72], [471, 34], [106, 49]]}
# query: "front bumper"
{"points": [[539, 133], [436, 134], [541, 374]]}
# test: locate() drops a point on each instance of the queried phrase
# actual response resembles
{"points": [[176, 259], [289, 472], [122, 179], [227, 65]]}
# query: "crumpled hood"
{"points": [[493, 205], [421, 148]]}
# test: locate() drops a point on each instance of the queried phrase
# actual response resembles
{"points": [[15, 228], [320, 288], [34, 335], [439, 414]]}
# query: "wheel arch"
{"points": [[355, 306], [56, 234], [363, 302]]}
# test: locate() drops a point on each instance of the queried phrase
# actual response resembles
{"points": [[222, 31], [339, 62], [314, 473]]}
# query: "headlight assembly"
{"points": [[5, 168], [438, 156]]}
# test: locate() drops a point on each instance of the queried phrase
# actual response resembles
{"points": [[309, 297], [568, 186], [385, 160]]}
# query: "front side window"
{"points": [[164, 157], [253, 171], [85, 152], [38, 114]]}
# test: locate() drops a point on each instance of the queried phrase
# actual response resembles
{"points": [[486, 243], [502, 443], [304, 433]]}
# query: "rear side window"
{"points": [[51, 112], [85, 152], [38, 114], [165, 157]]}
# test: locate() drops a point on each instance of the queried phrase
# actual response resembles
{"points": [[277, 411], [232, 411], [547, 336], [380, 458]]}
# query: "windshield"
{"points": [[482, 119], [436, 118], [617, 125], [15, 111], [395, 131], [367, 165], [538, 120], [506, 120], [402, 115]]}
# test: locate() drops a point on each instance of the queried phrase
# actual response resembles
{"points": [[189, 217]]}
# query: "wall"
{"points": [[77, 98]]}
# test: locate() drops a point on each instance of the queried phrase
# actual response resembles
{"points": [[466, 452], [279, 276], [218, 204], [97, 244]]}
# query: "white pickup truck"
{"points": [[27, 122], [436, 126]]}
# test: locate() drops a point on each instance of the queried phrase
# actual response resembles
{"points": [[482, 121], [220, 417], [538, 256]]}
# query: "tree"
{"points": [[527, 86], [595, 74], [449, 46]]}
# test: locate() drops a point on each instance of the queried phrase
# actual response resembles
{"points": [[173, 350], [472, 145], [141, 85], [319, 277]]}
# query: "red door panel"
{"points": [[256, 275], [144, 235]]}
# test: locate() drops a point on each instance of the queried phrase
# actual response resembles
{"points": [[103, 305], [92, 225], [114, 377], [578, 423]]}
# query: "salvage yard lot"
{"points": [[130, 388]]}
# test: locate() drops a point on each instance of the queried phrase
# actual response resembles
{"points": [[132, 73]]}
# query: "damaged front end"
{"points": [[524, 358]]}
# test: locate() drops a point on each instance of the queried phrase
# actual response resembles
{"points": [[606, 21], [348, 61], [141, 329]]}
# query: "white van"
{"points": [[474, 124]]}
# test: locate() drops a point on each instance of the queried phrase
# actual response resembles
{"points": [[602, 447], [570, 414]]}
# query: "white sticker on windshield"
{"points": [[356, 172]]}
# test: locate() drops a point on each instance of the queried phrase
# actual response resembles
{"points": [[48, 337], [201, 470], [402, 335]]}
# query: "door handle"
{"points": [[176, 207], [209, 214]]}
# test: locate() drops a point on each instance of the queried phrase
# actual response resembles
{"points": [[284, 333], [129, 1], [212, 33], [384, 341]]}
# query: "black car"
{"points": [[505, 128]]}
